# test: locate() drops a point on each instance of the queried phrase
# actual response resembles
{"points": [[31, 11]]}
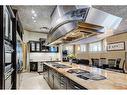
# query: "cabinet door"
{"points": [[40, 67], [32, 46], [33, 66], [37, 46], [63, 82], [46, 75], [56, 80], [51, 78], [46, 72]]}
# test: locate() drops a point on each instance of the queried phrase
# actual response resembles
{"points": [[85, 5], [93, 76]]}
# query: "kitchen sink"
{"points": [[86, 74]]}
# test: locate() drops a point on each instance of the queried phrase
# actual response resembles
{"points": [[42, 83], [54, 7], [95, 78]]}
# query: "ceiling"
{"points": [[35, 18], [42, 18], [120, 11]]}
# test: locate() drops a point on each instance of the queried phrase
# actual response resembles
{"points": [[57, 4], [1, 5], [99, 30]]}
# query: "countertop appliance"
{"points": [[8, 65]]}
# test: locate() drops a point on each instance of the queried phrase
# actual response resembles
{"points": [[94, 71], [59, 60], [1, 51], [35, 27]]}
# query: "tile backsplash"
{"points": [[44, 56]]}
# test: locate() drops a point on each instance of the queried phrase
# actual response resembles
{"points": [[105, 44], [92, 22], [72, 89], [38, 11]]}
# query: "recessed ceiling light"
{"points": [[46, 28], [33, 11], [35, 15], [34, 20]]}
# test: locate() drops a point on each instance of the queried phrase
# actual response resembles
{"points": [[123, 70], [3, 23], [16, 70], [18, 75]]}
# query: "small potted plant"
{"points": [[71, 56]]}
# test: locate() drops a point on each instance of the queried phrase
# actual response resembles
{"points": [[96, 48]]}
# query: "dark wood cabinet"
{"points": [[8, 73], [37, 46], [74, 85], [46, 72], [33, 66], [59, 81], [51, 78], [63, 82]]}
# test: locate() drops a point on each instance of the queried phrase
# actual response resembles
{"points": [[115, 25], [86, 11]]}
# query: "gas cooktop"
{"points": [[86, 74]]}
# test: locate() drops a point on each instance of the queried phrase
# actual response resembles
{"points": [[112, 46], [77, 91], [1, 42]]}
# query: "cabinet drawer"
{"points": [[74, 85]]}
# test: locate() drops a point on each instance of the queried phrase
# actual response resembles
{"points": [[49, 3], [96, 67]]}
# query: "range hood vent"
{"points": [[70, 23]]}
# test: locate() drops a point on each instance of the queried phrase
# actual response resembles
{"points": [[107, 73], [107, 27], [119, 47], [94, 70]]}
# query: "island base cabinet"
{"points": [[58, 81], [63, 82], [51, 78], [46, 73], [74, 85]]}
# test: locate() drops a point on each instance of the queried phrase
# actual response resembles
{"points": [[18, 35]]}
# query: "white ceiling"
{"points": [[43, 16], [118, 10], [42, 19]]}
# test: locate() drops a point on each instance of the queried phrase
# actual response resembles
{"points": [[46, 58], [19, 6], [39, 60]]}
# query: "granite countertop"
{"points": [[46, 61], [114, 80]]}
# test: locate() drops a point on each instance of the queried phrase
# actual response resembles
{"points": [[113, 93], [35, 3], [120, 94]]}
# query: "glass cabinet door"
{"points": [[32, 46], [37, 46]]}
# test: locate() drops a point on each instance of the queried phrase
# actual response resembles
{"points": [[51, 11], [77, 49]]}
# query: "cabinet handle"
{"points": [[76, 87], [62, 85]]}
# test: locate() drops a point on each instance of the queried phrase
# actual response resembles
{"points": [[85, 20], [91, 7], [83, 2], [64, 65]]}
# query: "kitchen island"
{"points": [[112, 80]]}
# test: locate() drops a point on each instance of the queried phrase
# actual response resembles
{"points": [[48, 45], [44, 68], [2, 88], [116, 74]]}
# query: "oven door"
{"points": [[8, 57], [8, 82], [8, 79], [8, 53]]}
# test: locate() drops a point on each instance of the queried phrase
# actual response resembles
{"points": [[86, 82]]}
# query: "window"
{"points": [[97, 46], [70, 49], [83, 48]]}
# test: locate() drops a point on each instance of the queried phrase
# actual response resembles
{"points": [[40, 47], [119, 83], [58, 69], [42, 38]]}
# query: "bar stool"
{"points": [[95, 62], [118, 63], [112, 63], [102, 63]]}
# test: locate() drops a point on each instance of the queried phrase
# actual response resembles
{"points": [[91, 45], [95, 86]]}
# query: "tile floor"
{"points": [[33, 81]]}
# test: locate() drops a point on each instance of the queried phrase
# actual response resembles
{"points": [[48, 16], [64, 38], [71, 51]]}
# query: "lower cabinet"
{"points": [[59, 81], [63, 82], [74, 85], [33, 66], [46, 72], [51, 78]]}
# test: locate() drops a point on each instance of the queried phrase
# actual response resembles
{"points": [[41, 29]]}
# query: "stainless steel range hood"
{"points": [[74, 22]]}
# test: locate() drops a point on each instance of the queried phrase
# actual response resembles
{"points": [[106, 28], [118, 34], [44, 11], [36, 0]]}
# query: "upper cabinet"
{"points": [[19, 26], [7, 25], [37, 46]]}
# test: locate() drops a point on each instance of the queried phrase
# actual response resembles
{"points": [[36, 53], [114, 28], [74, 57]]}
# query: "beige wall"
{"points": [[105, 54], [32, 36]]}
